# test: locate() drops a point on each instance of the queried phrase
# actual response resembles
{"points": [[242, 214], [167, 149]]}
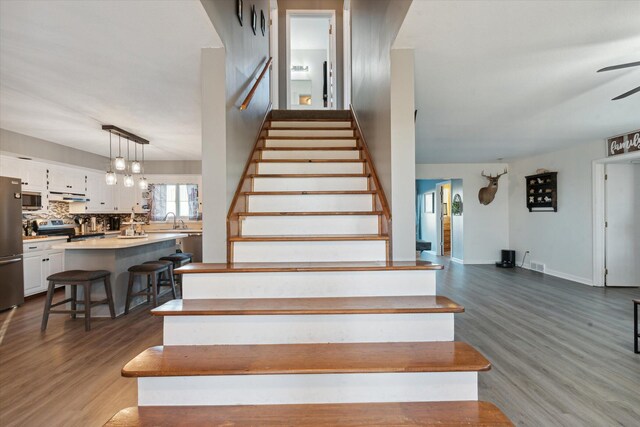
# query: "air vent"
{"points": [[536, 266]]}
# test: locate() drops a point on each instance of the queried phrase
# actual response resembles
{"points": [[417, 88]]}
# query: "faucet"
{"points": [[183, 226], [175, 225]]}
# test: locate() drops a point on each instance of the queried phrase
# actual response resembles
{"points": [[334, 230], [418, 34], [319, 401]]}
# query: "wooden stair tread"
{"points": [[308, 238], [306, 193], [307, 213], [309, 161], [275, 359], [322, 138], [309, 148], [309, 128], [310, 175], [272, 267], [467, 413], [306, 306]]}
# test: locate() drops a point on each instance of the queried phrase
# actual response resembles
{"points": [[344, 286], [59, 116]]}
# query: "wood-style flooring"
{"points": [[562, 353]]}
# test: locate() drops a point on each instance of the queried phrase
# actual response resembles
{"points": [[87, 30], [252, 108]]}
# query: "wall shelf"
{"points": [[542, 192]]}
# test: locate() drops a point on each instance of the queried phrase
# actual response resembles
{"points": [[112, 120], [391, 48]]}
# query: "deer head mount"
{"points": [[488, 193]]}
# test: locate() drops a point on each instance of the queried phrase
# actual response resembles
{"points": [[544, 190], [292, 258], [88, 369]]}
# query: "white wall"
{"points": [[403, 156], [486, 228], [563, 241]]}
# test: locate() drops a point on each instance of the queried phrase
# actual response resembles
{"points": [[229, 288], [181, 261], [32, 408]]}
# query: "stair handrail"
{"points": [[252, 92]]}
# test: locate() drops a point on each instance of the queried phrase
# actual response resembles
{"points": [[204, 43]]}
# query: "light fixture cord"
{"points": [[109, 151], [128, 157], [142, 168], [135, 150]]}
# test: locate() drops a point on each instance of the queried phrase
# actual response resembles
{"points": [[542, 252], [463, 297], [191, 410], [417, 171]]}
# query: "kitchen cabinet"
{"points": [[66, 180], [38, 264], [33, 175]]}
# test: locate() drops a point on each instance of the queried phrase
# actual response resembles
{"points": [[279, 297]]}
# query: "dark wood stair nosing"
{"points": [[417, 304], [305, 267], [309, 161], [310, 193], [310, 238], [328, 213], [291, 359], [310, 175], [399, 414]]}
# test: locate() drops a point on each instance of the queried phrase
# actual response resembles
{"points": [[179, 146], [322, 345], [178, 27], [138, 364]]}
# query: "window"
{"points": [[181, 199]]}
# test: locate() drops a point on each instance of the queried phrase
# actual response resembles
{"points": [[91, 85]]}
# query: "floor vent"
{"points": [[536, 266]]}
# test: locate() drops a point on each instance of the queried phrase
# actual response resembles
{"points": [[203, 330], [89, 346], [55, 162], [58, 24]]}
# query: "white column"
{"points": [[403, 159], [214, 167]]}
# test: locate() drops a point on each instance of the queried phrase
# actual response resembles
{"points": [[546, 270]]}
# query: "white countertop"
{"points": [[115, 243], [43, 239], [181, 231]]}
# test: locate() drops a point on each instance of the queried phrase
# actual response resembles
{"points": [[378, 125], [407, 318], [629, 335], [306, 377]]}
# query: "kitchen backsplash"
{"points": [[60, 210]]}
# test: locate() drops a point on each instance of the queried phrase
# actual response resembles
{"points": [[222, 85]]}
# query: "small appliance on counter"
{"points": [[11, 269], [114, 223], [508, 259], [57, 227]]}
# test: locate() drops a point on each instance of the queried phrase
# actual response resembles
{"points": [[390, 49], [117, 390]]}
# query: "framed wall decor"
{"points": [[240, 11], [428, 202], [254, 19], [456, 205], [263, 23]]}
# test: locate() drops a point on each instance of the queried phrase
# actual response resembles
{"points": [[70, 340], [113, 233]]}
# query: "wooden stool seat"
{"points": [[150, 272], [177, 257], [75, 278], [78, 275]]}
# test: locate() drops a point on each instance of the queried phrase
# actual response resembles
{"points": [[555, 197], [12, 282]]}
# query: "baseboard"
{"points": [[479, 261], [566, 276], [457, 260]]}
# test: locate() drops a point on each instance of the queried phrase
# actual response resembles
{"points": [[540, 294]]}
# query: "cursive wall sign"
{"points": [[623, 144]]}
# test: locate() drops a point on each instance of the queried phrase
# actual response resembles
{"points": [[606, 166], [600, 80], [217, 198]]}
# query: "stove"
{"points": [[57, 227]]}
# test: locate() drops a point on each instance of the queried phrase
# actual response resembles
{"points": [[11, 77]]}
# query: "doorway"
{"points": [[311, 59], [616, 227], [445, 220]]}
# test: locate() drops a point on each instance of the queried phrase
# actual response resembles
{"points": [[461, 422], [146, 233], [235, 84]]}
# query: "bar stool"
{"points": [[77, 278], [178, 259], [149, 274]]}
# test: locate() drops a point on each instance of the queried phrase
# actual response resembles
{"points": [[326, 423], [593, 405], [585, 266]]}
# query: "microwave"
{"points": [[31, 201]]}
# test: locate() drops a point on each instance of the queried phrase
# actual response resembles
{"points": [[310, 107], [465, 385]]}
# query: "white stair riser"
{"points": [[309, 284], [274, 143], [310, 184], [310, 132], [308, 225], [310, 168], [311, 203], [307, 329], [311, 124], [308, 251], [307, 388], [311, 154]]}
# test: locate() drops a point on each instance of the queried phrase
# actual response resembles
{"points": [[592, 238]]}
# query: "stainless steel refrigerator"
{"points": [[11, 275]]}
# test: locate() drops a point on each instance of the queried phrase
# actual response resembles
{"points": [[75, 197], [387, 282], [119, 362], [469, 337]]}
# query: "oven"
{"points": [[31, 201]]}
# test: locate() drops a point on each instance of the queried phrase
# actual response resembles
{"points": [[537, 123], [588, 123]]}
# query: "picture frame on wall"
{"points": [[254, 19], [263, 23], [239, 11]]}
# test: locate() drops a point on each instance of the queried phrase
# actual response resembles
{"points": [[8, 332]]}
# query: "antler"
{"points": [[485, 175], [500, 174]]}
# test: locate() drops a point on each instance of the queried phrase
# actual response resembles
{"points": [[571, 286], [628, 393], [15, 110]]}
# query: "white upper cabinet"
{"points": [[66, 180], [33, 175]]}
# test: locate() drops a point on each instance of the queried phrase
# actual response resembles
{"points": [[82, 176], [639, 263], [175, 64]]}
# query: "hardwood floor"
{"points": [[561, 353]]}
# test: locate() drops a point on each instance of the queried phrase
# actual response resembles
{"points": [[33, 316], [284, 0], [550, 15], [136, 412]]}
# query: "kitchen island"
{"points": [[116, 255]]}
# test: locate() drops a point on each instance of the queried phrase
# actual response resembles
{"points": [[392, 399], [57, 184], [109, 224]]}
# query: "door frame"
{"points": [[332, 45], [273, 51], [599, 212], [438, 212]]}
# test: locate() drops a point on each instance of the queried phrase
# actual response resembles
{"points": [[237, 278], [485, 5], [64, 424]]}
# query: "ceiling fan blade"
{"points": [[624, 95], [617, 67]]}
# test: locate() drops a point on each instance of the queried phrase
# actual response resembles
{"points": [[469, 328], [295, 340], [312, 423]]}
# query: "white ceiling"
{"points": [[67, 67], [499, 79]]}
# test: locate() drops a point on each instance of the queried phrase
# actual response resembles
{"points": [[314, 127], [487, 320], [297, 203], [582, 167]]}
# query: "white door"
{"points": [[622, 190]]}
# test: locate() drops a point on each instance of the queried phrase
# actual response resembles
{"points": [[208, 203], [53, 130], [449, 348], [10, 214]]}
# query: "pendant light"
{"points": [[111, 178], [135, 165], [128, 178], [142, 182], [121, 164]]}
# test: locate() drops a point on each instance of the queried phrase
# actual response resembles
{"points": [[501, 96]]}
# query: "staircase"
{"points": [[309, 322]]}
